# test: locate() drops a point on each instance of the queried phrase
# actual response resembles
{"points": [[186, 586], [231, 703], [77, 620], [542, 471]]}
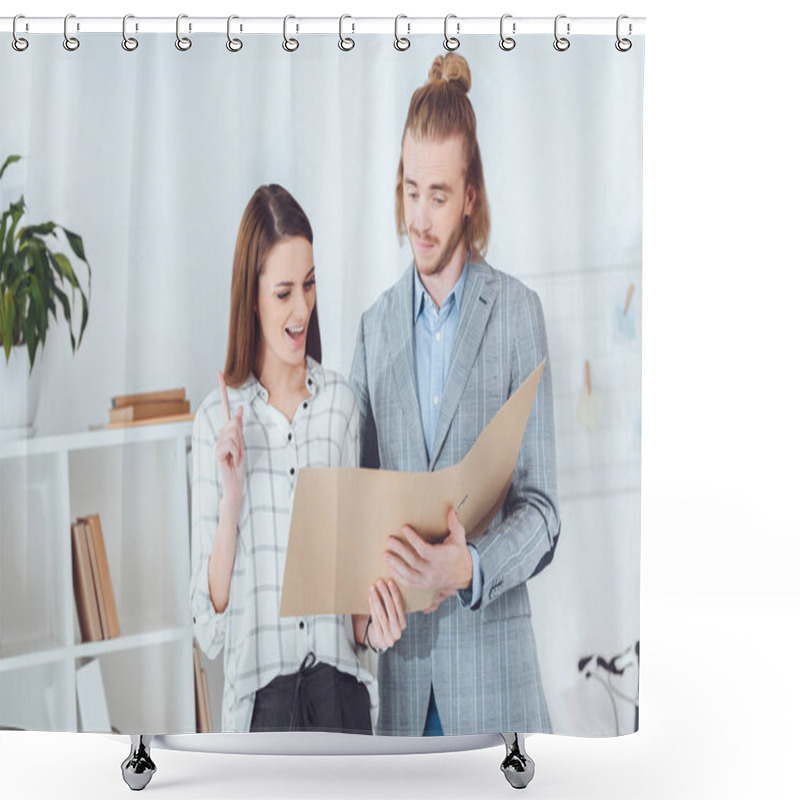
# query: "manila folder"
{"points": [[342, 517]]}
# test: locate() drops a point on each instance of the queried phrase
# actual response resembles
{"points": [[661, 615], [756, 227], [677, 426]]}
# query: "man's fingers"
{"points": [[407, 575], [421, 547], [223, 390], [404, 551], [455, 527]]}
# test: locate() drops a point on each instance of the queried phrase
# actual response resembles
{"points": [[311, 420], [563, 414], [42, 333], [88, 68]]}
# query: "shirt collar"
{"points": [[421, 296], [315, 380]]}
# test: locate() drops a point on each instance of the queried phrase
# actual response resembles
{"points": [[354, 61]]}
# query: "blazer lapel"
{"points": [[477, 302], [400, 333]]}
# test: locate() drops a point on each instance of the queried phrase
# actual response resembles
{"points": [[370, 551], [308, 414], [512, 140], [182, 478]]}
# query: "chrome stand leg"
{"points": [[518, 766], [138, 768]]}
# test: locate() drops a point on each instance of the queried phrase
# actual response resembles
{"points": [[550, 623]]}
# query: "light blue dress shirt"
{"points": [[434, 334]]}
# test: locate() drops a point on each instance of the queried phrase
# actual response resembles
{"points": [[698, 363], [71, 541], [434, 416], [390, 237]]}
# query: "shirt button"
{"points": [[290, 436], [305, 405], [302, 625], [438, 336], [436, 399], [291, 471]]}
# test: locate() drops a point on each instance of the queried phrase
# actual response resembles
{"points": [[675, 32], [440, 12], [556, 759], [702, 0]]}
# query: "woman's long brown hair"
{"points": [[271, 216]]}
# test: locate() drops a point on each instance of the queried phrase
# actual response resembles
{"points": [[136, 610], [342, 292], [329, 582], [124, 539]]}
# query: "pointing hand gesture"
{"points": [[230, 449]]}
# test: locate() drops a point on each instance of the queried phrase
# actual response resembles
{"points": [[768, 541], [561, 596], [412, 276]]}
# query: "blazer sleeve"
{"points": [[209, 626], [524, 542], [367, 432]]}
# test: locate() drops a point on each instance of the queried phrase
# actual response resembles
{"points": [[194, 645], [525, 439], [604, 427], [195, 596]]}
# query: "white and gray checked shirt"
{"points": [[258, 644]]}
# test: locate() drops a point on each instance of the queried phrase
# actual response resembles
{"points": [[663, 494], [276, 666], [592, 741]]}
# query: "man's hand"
{"points": [[445, 567]]}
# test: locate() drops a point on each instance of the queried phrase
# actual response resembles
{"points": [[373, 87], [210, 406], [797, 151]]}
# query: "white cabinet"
{"points": [[136, 480]]}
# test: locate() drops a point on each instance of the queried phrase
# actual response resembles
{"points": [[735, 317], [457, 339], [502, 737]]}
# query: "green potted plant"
{"points": [[35, 278]]}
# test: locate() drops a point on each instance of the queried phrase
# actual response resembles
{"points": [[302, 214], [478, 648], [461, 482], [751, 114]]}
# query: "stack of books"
{"points": [[148, 408], [91, 581], [201, 697]]}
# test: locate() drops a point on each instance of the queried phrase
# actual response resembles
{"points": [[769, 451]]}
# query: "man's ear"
{"points": [[472, 196]]}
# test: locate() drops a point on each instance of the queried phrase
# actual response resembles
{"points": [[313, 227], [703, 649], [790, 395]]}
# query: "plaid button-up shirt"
{"points": [[258, 644]]}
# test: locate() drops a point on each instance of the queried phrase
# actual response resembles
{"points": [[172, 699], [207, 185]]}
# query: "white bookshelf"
{"points": [[136, 480]]}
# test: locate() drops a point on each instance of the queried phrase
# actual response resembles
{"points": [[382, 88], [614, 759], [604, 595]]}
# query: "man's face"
{"points": [[436, 200]]}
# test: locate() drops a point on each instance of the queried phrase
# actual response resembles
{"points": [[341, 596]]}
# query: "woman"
{"points": [[280, 673]]}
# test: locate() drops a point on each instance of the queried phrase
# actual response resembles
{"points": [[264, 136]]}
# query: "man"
{"points": [[437, 355]]}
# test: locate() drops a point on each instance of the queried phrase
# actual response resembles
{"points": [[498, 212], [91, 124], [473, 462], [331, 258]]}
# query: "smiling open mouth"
{"points": [[296, 333]]}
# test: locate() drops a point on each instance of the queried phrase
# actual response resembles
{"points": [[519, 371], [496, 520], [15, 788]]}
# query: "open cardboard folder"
{"points": [[342, 517]]}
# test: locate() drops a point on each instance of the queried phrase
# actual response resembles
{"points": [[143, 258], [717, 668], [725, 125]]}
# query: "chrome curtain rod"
{"points": [[407, 26]]}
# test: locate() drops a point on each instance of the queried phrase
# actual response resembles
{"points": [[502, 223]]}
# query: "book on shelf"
{"points": [[149, 408], [96, 585], [170, 395], [104, 588], [140, 411], [83, 586], [201, 696]]}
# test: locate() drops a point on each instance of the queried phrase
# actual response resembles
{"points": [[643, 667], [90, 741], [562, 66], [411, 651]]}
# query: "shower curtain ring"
{"points": [[561, 43], [183, 43], [401, 43], [451, 42], [345, 42], [234, 45], [19, 44], [623, 45], [70, 42], [507, 42], [128, 42], [289, 45]]}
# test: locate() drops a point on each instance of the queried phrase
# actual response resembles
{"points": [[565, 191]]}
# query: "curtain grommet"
{"points": [[289, 44], [71, 43], [233, 45], [19, 43], [183, 43], [507, 43], [561, 43], [346, 43], [451, 42], [128, 42], [401, 43]]}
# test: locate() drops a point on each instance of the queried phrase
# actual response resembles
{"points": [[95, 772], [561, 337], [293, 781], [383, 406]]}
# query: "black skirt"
{"points": [[317, 698]]}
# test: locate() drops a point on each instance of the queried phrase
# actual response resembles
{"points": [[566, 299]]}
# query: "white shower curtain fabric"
{"points": [[152, 156]]}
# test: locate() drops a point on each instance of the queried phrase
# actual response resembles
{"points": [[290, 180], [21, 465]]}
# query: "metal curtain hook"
{"points": [[234, 45], [623, 45], [451, 42], [128, 42], [18, 43], [345, 42], [289, 45], [401, 43], [182, 42], [507, 42], [70, 42], [561, 43]]}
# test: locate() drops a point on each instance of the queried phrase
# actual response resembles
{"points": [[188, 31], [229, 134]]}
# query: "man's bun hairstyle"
{"points": [[438, 110]]}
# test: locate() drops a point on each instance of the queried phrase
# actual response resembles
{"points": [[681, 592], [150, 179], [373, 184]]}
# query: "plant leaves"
{"points": [[76, 243], [10, 160], [43, 229], [64, 300]]}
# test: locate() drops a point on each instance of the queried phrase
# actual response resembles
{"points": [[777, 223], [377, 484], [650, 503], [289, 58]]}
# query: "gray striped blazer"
{"points": [[482, 662]]}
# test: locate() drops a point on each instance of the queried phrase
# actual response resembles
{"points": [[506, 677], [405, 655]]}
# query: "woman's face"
{"points": [[286, 297]]}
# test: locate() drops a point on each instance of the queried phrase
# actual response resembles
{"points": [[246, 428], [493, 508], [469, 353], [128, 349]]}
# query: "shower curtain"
{"points": [[149, 156]]}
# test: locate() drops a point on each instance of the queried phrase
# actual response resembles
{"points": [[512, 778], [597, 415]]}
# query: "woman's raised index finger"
{"points": [[223, 391]]}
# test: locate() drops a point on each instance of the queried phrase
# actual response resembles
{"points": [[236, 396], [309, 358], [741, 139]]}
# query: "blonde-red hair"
{"points": [[438, 110]]}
